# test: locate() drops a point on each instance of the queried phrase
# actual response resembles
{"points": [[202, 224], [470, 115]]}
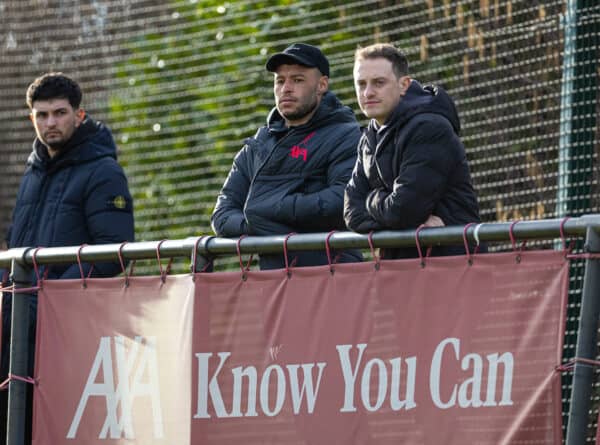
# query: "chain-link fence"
{"points": [[182, 83]]}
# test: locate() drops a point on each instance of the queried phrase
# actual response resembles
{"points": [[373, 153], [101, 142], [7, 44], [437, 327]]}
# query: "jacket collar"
{"points": [[90, 140]]}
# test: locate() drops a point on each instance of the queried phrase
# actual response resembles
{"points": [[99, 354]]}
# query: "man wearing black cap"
{"points": [[290, 176]]}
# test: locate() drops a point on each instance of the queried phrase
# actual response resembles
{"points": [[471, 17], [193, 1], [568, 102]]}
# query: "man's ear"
{"points": [[404, 84], [79, 116], [323, 85]]}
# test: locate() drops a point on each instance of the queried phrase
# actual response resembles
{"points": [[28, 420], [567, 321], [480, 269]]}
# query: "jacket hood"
{"points": [[423, 99], [90, 141], [330, 110]]}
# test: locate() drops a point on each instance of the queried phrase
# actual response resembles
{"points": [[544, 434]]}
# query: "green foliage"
{"points": [[194, 87], [192, 90]]}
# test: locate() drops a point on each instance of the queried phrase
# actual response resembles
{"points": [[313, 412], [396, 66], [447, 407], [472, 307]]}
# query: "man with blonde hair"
{"points": [[411, 167]]}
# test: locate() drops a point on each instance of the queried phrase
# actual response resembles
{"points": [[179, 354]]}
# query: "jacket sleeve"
{"points": [[356, 216], [428, 158], [108, 209], [228, 216], [323, 210]]}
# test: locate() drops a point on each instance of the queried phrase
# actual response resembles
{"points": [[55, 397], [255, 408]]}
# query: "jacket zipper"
{"points": [[279, 142], [34, 213]]}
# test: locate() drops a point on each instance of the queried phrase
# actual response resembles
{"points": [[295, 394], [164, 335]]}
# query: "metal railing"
{"points": [[203, 248]]}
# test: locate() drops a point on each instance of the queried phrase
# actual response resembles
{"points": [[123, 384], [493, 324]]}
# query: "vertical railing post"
{"points": [[581, 394], [19, 354], [578, 118]]}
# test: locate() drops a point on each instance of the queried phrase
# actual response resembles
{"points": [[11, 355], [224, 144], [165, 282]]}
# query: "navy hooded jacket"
{"points": [[291, 180], [410, 168], [78, 197]]}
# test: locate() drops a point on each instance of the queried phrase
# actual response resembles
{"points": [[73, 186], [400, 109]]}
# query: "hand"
{"points": [[434, 221]]}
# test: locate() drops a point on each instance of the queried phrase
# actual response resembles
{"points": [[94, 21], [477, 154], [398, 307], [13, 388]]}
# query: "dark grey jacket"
{"points": [[291, 180], [412, 167]]}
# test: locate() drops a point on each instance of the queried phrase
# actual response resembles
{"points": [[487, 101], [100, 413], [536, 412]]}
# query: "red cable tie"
{"points": [[165, 272], [571, 364], [376, 257], [27, 289], [29, 380], [194, 264], [13, 377], [83, 283], [122, 262], [11, 289], [35, 266], [583, 256], [513, 240], [243, 268], [285, 254], [328, 252], [466, 243], [120, 256], [512, 235], [418, 243]]}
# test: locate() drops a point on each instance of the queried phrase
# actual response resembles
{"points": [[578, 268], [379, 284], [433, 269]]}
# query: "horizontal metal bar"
{"points": [[209, 246]]}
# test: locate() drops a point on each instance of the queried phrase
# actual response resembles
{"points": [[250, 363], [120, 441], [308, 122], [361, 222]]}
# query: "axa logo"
{"points": [[136, 366], [300, 150]]}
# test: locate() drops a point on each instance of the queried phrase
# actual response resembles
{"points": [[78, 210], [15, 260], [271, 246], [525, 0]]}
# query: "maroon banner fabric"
{"points": [[448, 353], [113, 362]]}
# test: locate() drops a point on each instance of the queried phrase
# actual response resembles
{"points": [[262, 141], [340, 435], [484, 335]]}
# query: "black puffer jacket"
{"points": [[410, 168], [291, 180], [78, 197]]}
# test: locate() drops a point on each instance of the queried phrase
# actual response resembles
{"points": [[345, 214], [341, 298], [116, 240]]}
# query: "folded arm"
{"points": [[108, 209], [427, 162], [228, 216]]}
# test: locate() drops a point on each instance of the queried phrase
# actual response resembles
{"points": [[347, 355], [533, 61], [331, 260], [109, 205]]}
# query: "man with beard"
{"points": [[73, 192], [411, 167], [290, 176]]}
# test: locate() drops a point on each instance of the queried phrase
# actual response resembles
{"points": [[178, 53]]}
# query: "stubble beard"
{"points": [[304, 110], [56, 144]]}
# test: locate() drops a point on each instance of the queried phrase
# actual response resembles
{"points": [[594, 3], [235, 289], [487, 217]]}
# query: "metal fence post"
{"points": [[19, 355], [578, 107], [586, 345]]}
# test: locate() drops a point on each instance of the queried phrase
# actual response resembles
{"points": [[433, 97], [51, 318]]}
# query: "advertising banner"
{"points": [[448, 353], [113, 363]]}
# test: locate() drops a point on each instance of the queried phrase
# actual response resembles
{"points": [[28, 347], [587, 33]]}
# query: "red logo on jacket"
{"points": [[300, 150]]}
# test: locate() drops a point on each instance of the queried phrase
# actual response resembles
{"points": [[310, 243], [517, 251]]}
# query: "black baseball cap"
{"points": [[300, 54]]}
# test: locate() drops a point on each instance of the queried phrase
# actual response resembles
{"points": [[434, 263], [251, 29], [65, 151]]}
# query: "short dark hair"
{"points": [[386, 51], [54, 86]]}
